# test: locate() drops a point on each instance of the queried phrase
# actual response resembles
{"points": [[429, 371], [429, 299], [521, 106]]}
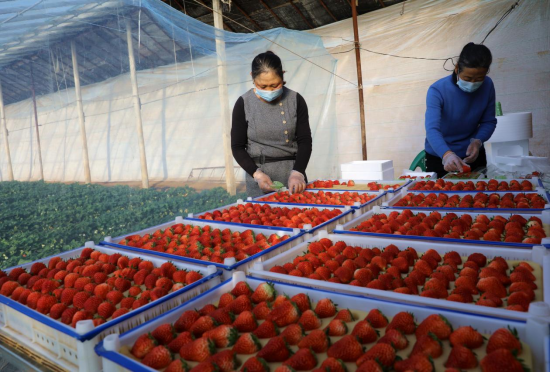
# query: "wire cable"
{"points": [[516, 4]]}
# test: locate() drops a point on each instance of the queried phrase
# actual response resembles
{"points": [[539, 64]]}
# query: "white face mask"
{"points": [[468, 87]]}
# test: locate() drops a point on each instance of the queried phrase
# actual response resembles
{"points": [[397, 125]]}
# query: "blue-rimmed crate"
{"points": [[379, 198], [361, 185], [72, 348], [473, 174], [230, 264], [537, 255], [544, 216], [535, 181], [532, 331], [346, 214], [390, 204], [418, 174]]}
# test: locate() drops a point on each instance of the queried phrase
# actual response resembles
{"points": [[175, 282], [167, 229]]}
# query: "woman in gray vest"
{"points": [[270, 134]]}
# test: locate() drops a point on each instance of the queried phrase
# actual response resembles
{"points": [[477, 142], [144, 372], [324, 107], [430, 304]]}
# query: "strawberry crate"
{"points": [[544, 216], [377, 199], [538, 255], [229, 264], [404, 192], [115, 349], [417, 175], [536, 183], [71, 347], [387, 185], [345, 215]]}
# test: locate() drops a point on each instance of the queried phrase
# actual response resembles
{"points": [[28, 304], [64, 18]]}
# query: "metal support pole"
{"points": [[36, 124], [137, 106], [4, 126], [359, 79], [81, 119], [224, 100]]}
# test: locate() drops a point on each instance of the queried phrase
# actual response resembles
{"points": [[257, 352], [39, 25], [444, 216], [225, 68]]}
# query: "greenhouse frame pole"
{"points": [[224, 99], [4, 126], [359, 79], [137, 106], [36, 124], [81, 118]]}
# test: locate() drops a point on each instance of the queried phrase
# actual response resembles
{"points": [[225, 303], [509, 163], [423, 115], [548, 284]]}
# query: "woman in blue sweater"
{"points": [[460, 114]]}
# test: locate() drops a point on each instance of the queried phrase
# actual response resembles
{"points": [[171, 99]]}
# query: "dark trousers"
{"points": [[434, 163]]}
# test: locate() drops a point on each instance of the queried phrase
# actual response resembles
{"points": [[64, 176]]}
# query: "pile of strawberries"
{"points": [[212, 245], [463, 175], [492, 284], [258, 214], [320, 198], [250, 329], [516, 229], [480, 200], [328, 184], [405, 177], [94, 286], [491, 185]]}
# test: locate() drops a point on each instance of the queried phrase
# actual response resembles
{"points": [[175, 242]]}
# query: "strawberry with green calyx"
{"points": [[265, 292]]}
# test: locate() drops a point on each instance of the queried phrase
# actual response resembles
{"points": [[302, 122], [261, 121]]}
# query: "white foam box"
{"points": [[72, 348], [387, 174], [230, 264], [534, 331], [366, 166], [535, 181], [403, 192], [538, 254], [346, 228]]}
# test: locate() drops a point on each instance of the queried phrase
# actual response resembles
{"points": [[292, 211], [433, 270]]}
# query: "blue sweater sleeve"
{"points": [[434, 107], [488, 121]]}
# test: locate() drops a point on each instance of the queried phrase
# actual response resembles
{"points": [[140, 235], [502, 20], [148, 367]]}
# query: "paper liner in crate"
{"points": [[72, 348], [229, 264], [539, 257], [532, 332], [346, 214], [544, 216]]}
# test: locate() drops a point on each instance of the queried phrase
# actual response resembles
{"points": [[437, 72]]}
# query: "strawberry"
{"points": [[395, 338], [57, 310], [198, 350], [36, 268], [337, 328], [325, 308], [159, 357], [492, 285], [302, 302], [293, 334], [81, 282], [365, 332], [15, 273], [267, 329], [436, 324], [186, 320], [403, 321], [177, 365], [222, 336], [150, 281], [123, 284], [240, 304], [178, 276], [206, 366], [479, 259], [202, 325], [45, 303], [106, 310], [206, 310], [345, 316], [504, 338], [167, 269], [119, 312], [261, 311], [333, 365], [377, 319], [143, 345], [428, 345], [309, 320], [247, 344], [225, 360], [416, 363], [502, 360], [285, 314], [33, 298], [347, 349], [114, 296], [181, 340], [466, 336], [461, 357], [255, 364], [317, 340], [70, 279], [225, 299], [303, 359], [368, 366], [242, 288], [222, 316], [8, 287], [519, 298], [245, 322], [164, 334], [276, 350], [133, 292], [281, 298], [67, 315], [127, 302], [92, 304], [79, 316]]}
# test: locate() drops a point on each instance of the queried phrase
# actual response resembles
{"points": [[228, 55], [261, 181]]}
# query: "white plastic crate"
{"points": [[346, 228], [345, 216], [534, 331], [72, 348], [535, 181], [230, 264], [424, 175], [387, 174], [538, 254], [366, 166], [380, 197], [361, 185], [390, 204]]}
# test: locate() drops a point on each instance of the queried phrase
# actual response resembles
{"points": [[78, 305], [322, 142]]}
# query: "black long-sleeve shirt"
{"points": [[239, 137]]}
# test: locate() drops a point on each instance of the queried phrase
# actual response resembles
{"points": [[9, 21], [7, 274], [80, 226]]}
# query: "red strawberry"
{"points": [[67, 315], [91, 305], [267, 329], [177, 365], [502, 360], [247, 344], [492, 285], [309, 320], [345, 316], [325, 308], [293, 334], [240, 304], [377, 319], [36, 268], [365, 332], [255, 364], [222, 317], [150, 281], [242, 288], [436, 324], [302, 301], [202, 325], [403, 321], [276, 350], [281, 298], [261, 311], [303, 359], [45, 303], [114, 296], [416, 363], [192, 276], [225, 299], [186, 320], [199, 350], [245, 322], [79, 316], [504, 338], [8, 287], [368, 366], [164, 334], [225, 360], [461, 358], [395, 338], [317, 340], [285, 314], [428, 345], [57, 310], [181, 340], [383, 353], [127, 302], [337, 328], [466, 336], [333, 365], [33, 298], [143, 345], [222, 336], [206, 310], [346, 349], [106, 310], [119, 312], [159, 357]]}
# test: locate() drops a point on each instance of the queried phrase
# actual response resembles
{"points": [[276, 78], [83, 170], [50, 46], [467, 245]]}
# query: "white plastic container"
{"points": [[362, 185], [366, 166], [538, 254], [230, 264], [72, 349], [534, 331], [346, 228], [535, 181], [418, 174], [397, 197], [387, 174]]}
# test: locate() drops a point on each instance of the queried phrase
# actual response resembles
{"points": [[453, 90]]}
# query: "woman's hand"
{"points": [[473, 150], [452, 162], [264, 181], [296, 182]]}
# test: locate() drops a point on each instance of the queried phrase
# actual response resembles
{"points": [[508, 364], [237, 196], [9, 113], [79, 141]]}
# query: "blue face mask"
{"points": [[468, 87], [269, 95]]}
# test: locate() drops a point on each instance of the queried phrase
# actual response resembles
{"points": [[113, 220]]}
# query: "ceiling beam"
{"points": [[300, 14], [328, 10], [247, 15], [211, 11], [273, 14]]}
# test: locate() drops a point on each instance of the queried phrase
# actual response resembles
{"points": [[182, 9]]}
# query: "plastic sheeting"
{"points": [[178, 87]]}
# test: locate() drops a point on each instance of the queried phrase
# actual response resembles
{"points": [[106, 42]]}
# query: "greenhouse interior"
{"points": [[275, 185]]}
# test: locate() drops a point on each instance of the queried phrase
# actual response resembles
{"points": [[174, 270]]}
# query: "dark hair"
{"points": [[265, 62], [474, 55]]}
